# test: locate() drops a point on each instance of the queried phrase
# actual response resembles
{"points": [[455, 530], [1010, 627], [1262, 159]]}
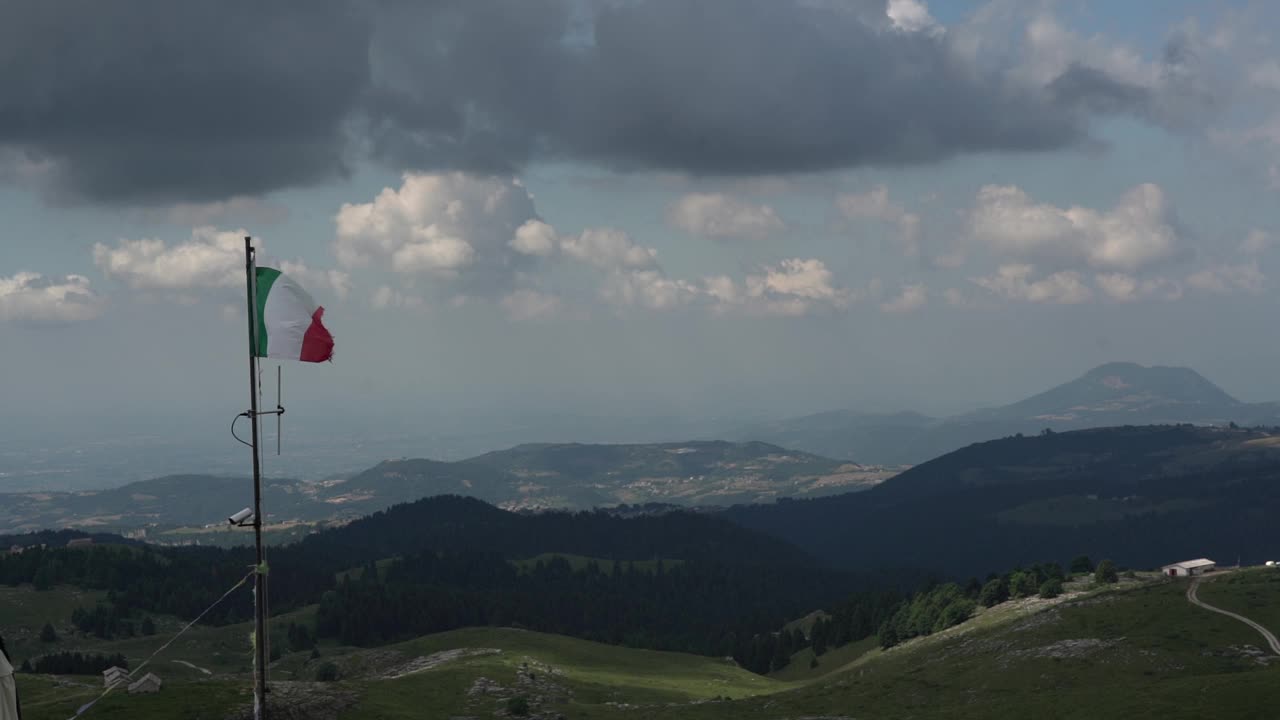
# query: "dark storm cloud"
{"points": [[1087, 87], [728, 87], [155, 101], [1183, 97]]}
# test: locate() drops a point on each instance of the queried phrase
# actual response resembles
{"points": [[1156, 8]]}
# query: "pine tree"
{"points": [[47, 634]]}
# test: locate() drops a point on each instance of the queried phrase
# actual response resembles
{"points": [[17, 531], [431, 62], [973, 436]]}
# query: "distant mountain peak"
{"points": [[1116, 367], [1111, 394], [1123, 389]]}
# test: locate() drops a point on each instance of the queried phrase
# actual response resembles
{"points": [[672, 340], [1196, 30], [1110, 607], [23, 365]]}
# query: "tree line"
{"points": [[893, 617], [697, 607], [73, 663]]}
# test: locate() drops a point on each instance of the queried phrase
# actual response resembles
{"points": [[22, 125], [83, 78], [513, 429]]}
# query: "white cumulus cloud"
{"points": [[719, 216], [1245, 277], [911, 298], [876, 205], [472, 231], [809, 279], [649, 289], [534, 237], [530, 305], [793, 287], [209, 259], [1015, 282], [33, 299], [912, 16], [1137, 233], [608, 248]]}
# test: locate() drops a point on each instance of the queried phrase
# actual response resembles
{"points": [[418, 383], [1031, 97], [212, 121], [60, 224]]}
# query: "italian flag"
{"points": [[289, 321]]}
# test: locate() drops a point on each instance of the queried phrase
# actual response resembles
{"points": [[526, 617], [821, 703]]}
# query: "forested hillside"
{"points": [[687, 581], [1144, 495]]}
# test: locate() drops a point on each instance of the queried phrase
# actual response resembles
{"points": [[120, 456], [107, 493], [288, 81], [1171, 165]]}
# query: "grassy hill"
{"points": [[1137, 651], [1141, 653], [473, 671]]}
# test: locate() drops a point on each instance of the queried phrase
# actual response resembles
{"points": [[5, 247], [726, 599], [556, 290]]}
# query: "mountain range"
{"points": [[794, 463], [524, 477], [1113, 394]]}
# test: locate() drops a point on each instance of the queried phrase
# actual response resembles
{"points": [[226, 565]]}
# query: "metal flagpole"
{"points": [[260, 580]]}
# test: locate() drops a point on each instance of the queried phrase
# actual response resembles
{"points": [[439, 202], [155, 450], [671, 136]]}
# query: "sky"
{"points": [[520, 211]]}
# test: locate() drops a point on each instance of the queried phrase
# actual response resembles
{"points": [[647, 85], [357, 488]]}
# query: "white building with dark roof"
{"points": [[114, 676], [1187, 568], [149, 683]]}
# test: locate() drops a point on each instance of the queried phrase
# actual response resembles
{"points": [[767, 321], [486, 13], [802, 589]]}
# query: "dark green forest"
{"points": [[1143, 495], [679, 581]]}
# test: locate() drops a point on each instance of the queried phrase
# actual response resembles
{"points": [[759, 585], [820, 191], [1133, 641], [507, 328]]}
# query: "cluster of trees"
{"points": [[1042, 579], [68, 663], [111, 619], [928, 612], [894, 618], [770, 652], [858, 617]]}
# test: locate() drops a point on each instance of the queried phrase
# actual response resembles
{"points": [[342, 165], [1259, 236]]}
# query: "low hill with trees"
{"points": [[1144, 495]]}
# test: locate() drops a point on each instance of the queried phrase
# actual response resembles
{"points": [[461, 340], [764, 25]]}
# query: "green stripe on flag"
{"points": [[266, 278]]}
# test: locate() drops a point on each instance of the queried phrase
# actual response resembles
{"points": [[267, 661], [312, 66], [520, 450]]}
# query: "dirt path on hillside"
{"points": [[1266, 634], [194, 667]]}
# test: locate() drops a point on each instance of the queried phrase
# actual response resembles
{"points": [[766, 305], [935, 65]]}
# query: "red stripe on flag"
{"points": [[317, 343]]}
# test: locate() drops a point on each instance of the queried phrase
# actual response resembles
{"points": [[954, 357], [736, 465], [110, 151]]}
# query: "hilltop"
{"points": [[572, 476], [1141, 494], [1112, 394]]}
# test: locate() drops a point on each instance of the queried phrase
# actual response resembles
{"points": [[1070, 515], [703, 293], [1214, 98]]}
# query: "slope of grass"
{"points": [[218, 650], [1140, 653], [583, 674], [799, 668], [23, 611], [45, 698], [1252, 593]]}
